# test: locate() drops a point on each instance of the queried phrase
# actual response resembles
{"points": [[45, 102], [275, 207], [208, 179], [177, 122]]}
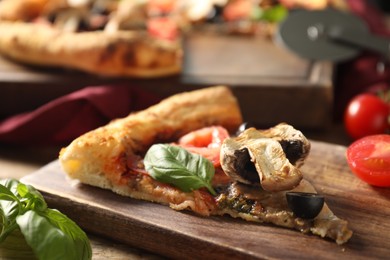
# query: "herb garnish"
{"points": [[273, 14], [49, 233], [175, 165]]}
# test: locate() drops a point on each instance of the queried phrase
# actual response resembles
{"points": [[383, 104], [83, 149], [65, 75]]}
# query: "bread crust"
{"points": [[121, 53]]}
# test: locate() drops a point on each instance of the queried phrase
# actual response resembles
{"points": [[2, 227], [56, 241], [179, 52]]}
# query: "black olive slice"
{"points": [[305, 205]]}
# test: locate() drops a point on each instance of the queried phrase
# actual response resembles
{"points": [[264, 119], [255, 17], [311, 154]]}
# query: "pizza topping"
{"points": [[176, 166], [251, 204], [240, 200], [305, 205], [206, 141], [293, 142], [257, 157]]}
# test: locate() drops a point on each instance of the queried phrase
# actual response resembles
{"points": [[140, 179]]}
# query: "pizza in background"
{"points": [[125, 38]]}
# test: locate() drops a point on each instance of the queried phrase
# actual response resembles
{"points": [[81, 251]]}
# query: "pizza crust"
{"points": [[122, 53]]}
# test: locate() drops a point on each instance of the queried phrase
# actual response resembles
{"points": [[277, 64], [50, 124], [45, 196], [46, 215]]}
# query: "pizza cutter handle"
{"points": [[366, 41]]}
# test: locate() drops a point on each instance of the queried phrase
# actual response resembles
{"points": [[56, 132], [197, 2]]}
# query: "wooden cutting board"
{"points": [[170, 233]]}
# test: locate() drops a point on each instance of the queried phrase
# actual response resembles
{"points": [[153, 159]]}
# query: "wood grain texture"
{"points": [[160, 229]]}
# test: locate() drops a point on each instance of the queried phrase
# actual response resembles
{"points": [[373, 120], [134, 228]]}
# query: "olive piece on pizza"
{"points": [[305, 205]]}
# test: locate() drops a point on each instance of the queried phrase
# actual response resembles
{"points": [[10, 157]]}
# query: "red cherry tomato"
{"points": [[366, 114], [369, 159]]}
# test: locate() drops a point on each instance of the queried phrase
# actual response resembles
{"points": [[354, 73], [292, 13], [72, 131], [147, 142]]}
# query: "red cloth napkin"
{"points": [[65, 118]]}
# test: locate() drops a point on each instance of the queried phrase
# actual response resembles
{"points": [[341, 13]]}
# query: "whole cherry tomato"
{"points": [[369, 159], [366, 114]]}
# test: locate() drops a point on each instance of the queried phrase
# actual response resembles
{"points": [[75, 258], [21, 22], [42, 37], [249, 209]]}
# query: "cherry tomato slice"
{"points": [[369, 159], [206, 142]]}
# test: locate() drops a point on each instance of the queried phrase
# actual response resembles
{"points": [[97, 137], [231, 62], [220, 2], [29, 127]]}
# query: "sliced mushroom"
{"points": [[257, 157], [294, 143]]}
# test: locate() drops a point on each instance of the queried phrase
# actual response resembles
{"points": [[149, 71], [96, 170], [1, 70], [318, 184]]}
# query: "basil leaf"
{"points": [[52, 235], [9, 207], [15, 247], [273, 14], [49, 233], [80, 240], [176, 166], [46, 240], [32, 198]]}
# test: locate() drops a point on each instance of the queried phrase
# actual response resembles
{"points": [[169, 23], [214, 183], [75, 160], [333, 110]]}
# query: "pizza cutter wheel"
{"points": [[328, 35]]}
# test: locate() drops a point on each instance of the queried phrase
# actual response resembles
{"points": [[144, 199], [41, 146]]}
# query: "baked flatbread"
{"points": [[253, 171]]}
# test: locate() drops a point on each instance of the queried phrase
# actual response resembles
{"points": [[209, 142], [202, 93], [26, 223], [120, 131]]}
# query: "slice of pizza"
{"points": [[185, 152], [72, 34], [122, 53], [123, 38]]}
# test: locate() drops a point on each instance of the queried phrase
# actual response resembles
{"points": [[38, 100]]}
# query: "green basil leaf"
{"points": [[80, 240], [273, 14], [49, 233], [8, 189], [176, 166], [9, 207], [32, 198], [48, 238], [15, 247]]}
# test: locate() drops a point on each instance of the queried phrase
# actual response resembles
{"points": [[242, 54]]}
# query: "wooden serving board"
{"points": [[175, 234]]}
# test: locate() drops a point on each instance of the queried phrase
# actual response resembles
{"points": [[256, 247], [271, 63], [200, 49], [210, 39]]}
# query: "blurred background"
{"points": [[42, 108]]}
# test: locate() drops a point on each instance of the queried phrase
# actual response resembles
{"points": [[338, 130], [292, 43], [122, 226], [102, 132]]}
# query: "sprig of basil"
{"points": [[175, 165], [49, 233]]}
